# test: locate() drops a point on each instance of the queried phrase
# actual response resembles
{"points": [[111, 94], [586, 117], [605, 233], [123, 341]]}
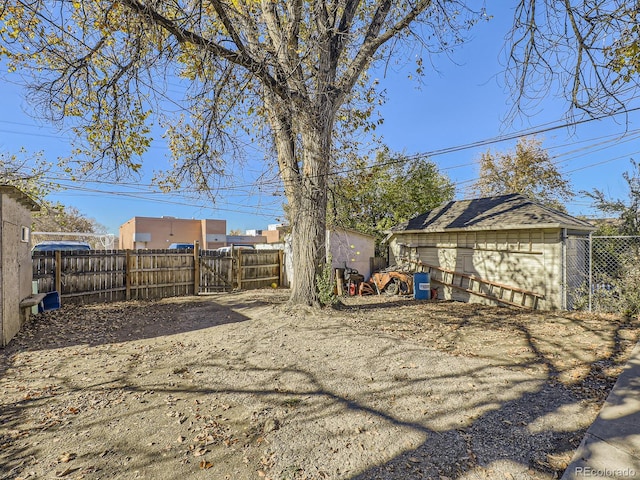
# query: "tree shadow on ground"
{"points": [[457, 413], [524, 437], [499, 444], [611, 443], [374, 302], [100, 324], [86, 326]]}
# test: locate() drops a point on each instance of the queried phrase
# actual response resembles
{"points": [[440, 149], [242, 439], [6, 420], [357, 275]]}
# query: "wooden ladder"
{"points": [[498, 292]]}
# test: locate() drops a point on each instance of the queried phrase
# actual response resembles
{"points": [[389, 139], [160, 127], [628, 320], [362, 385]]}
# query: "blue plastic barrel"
{"points": [[421, 286]]}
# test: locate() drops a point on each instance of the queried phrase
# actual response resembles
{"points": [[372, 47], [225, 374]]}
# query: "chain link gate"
{"points": [[576, 272], [602, 274]]}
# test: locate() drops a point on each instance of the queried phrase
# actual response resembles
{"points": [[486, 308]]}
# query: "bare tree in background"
{"points": [[587, 51]]}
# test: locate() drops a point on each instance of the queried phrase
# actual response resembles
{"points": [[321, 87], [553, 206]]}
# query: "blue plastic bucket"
{"points": [[50, 302]]}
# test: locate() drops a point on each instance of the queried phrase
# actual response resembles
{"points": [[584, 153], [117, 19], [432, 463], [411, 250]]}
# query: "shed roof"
{"points": [[505, 212], [349, 230], [20, 197]]}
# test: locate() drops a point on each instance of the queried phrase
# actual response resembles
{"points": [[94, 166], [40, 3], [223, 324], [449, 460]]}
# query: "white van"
{"points": [[227, 250]]}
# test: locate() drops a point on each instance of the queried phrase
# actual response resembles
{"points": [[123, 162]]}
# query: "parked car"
{"points": [[181, 246], [65, 245]]}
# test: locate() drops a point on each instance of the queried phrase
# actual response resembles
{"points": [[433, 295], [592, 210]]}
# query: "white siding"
{"points": [[351, 249]]}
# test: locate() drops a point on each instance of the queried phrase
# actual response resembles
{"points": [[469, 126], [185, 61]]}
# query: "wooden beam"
{"points": [[339, 283]]}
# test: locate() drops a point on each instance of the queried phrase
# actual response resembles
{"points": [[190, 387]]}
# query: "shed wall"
{"points": [[528, 259], [15, 265], [346, 247], [351, 249]]}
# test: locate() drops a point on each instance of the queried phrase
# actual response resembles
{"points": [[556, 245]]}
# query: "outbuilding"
{"points": [[347, 249], [351, 249], [505, 249], [15, 260]]}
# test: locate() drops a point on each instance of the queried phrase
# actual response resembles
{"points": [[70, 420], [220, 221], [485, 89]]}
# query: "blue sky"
{"points": [[462, 103]]}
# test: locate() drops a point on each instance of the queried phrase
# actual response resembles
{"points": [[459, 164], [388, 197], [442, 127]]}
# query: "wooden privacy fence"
{"points": [[115, 275]]}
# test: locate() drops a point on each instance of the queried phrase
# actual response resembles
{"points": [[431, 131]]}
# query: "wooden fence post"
{"points": [[239, 268], [58, 273], [127, 274], [196, 268], [230, 272], [281, 269]]}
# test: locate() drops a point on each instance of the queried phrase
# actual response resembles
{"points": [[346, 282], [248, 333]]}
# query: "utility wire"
{"points": [[398, 159], [259, 210]]}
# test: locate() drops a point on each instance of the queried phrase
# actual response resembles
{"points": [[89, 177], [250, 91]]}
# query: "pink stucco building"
{"points": [[150, 232]]}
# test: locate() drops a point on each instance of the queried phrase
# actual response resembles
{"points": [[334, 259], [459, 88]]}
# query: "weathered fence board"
{"points": [[159, 274], [259, 268], [93, 275], [114, 275]]}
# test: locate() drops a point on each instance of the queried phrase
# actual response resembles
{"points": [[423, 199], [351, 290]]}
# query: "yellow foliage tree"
{"points": [[296, 69], [527, 170]]}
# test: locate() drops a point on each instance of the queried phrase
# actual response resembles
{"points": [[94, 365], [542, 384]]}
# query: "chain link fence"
{"points": [[603, 274]]}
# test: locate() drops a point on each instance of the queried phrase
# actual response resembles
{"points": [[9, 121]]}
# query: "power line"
{"points": [[551, 126], [237, 189], [603, 162], [533, 131], [260, 210], [481, 143]]}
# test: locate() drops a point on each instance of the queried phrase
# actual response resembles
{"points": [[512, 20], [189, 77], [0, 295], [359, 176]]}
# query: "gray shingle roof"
{"points": [[504, 212]]}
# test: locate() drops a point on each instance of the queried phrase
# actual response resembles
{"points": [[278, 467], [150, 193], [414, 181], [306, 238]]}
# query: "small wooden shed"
{"points": [[492, 248], [15, 259]]}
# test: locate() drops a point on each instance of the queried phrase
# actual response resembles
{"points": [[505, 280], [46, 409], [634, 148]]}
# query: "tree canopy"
{"points": [[587, 51], [31, 174], [26, 172], [371, 196], [528, 170], [55, 217]]}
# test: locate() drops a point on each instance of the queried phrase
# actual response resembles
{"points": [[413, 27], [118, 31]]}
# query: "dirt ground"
{"points": [[234, 386]]}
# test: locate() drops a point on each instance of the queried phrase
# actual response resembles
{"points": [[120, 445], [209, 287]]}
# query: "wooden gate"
{"points": [[259, 268], [217, 272]]}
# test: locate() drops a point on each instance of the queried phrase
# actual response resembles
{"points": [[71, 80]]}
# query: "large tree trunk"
{"points": [[304, 174], [308, 220]]}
